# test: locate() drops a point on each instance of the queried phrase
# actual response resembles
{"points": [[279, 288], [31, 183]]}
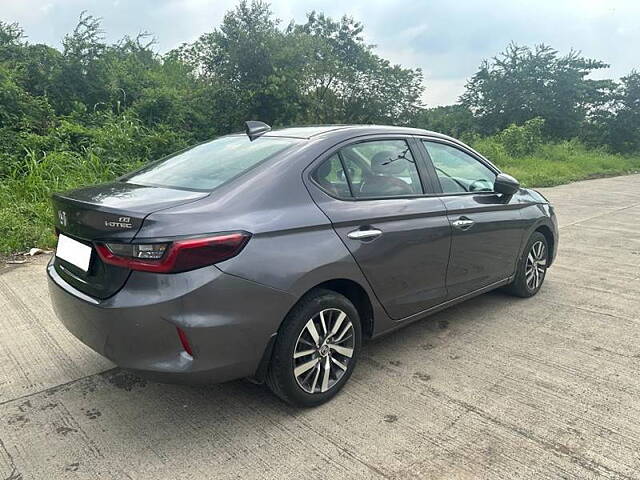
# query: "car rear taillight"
{"points": [[171, 257]]}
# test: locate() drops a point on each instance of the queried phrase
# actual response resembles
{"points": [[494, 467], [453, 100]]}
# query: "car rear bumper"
{"points": [[228, 322]]}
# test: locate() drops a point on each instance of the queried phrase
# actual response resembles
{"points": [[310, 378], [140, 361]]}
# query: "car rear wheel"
{"points": [[532, 268], [316, 349]]}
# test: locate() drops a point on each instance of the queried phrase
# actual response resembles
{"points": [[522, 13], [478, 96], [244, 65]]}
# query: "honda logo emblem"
{"points": [[62, 216]]}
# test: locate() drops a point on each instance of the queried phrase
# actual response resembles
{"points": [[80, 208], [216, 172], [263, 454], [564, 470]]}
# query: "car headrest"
{"points": [[387, 163], [324, 169]]}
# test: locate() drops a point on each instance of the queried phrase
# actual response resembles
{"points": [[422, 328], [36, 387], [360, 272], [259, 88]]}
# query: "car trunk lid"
{"points": [[108, 212]]}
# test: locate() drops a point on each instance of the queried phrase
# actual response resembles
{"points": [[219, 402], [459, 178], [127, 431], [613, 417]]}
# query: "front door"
{"points": [[486, 227], [398, 236]]}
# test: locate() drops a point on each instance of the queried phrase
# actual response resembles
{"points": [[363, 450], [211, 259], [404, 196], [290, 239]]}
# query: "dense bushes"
{"points": [[522, 151], [520, 140], [25, 211], [552, 164], [79, 155], [71, 155]]}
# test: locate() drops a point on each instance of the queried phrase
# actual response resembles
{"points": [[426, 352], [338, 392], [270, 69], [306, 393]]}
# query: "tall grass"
{"points": [[26, 217], [73, 154], [557, 163]]}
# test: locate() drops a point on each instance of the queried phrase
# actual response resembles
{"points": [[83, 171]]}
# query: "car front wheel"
{"points": [[316, 349], [532, 267]]}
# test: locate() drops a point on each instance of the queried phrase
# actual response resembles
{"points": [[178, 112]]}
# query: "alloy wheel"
{"points": [[323, 351], [536, 265]]}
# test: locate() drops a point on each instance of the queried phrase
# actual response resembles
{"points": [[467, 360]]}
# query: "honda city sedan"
{"points": [[272, 254]]}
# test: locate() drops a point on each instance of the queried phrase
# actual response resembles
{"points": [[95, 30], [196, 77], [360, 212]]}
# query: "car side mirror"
{"points": [[506, 184]]}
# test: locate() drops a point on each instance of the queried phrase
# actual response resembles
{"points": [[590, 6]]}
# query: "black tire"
{"points": [[281, 378], [520, 286]]}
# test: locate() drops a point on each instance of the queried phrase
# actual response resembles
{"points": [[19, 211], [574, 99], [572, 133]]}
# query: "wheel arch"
{"points": [[352, 290], [551, 241], [356, 295], [546, 227]]}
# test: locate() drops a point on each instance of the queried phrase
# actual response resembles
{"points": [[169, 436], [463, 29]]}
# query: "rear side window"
{"points": [[208, 165], [457, 171], [381, 168], [330, 176]]}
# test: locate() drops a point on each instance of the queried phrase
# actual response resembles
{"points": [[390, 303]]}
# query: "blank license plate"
{"points": [[74, 252]]}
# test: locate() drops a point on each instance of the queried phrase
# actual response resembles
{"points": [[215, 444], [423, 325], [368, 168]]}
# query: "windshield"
{"points": [[210, 164]]}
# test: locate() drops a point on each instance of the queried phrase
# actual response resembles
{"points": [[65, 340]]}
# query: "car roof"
{"points": [[305, 132], [312, 131], [343, 132]]}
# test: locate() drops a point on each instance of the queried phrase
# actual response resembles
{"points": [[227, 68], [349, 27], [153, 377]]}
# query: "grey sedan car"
{"points": [[273, 254]]}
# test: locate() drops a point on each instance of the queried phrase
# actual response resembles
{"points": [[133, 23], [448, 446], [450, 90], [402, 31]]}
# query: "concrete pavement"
{"points": [[497, 387]]}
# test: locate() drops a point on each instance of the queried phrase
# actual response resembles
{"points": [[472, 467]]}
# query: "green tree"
{"points": [[616, 124], [523, 83], [249, 69], [454, 120], [83, 74], [346, 82], [625, 134], [317, 72]]}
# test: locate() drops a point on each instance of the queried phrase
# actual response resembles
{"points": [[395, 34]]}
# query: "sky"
{"points": [[446, 38]]}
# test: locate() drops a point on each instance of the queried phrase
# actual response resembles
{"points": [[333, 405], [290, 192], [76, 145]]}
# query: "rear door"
{"points": [[374, 195], [486, 227]]}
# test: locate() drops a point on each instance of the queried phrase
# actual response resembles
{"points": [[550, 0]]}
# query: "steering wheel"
{"points": [[480, 185]]}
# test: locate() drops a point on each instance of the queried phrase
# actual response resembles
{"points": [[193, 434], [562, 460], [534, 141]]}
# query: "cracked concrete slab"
{"points": [[496, 387]]}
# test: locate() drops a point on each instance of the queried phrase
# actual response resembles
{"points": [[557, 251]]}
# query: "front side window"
{"points": [[381, 168], [208, 165], [457, 171]]}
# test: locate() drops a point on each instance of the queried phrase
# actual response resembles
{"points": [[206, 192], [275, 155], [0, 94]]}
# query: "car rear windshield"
{"points": [[208, 165]]}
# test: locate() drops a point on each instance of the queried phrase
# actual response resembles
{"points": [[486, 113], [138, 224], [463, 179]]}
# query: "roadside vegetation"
{"points": [[526, 153], [90, 111]]}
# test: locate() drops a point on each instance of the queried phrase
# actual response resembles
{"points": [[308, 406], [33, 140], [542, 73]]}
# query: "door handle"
{"points": [[368, 234], [463, 223]]}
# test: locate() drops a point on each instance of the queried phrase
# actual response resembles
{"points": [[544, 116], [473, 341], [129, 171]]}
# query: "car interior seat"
{"points": [[385, 180]]}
